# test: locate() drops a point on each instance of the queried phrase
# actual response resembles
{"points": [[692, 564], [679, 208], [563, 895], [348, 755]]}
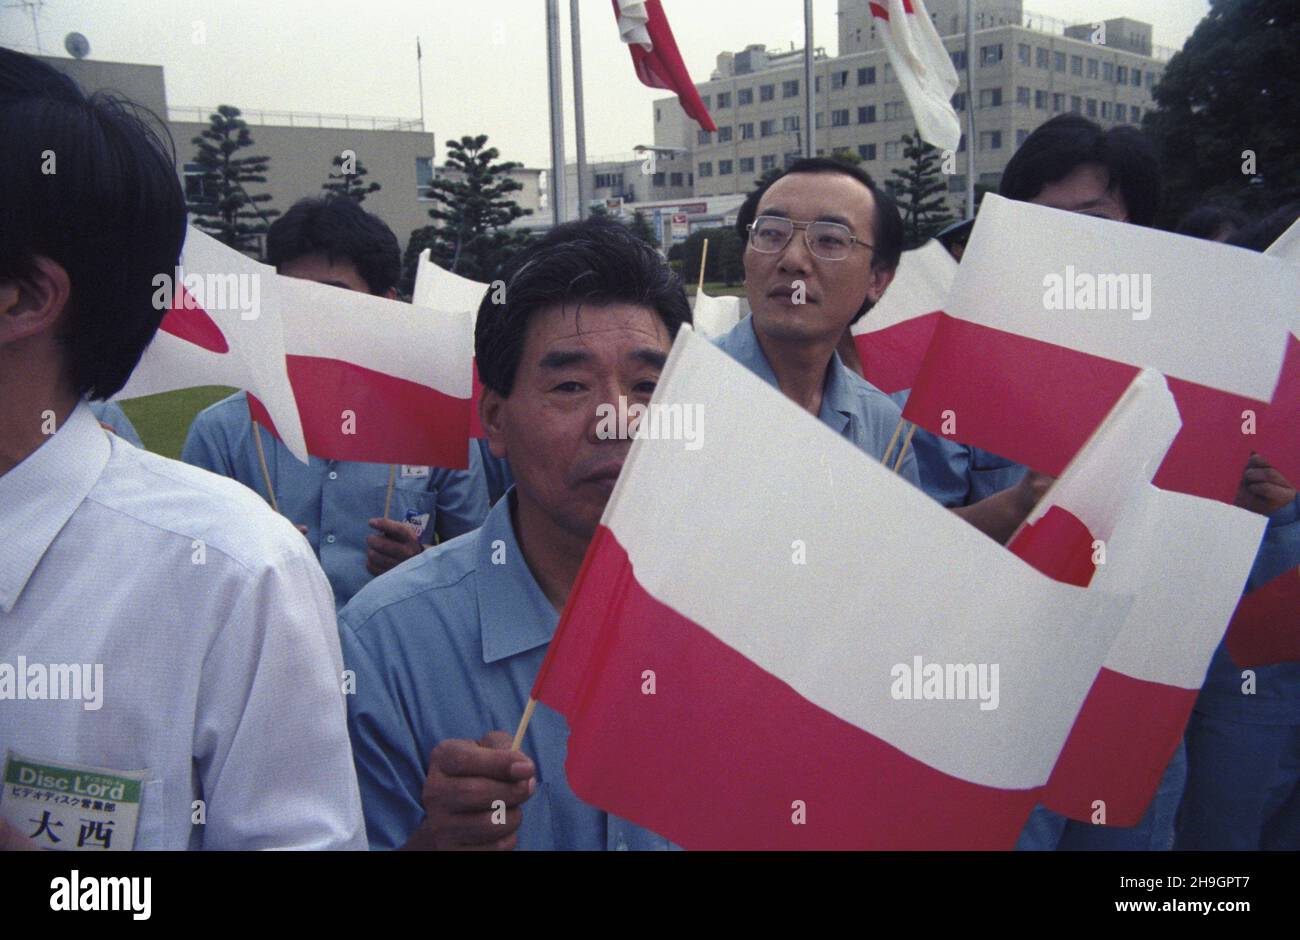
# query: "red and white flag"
{"points": [[1279, 424], [1052, 314], [894, 335], [715, 316], [1184, 559], [855, 668], [644, 27], [1265, 628], [923, 67], [443, 290]]}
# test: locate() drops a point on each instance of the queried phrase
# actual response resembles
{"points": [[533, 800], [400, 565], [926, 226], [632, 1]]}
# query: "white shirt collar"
{"points": [[39, 496]]}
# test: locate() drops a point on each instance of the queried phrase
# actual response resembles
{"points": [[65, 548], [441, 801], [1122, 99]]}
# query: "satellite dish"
{"points": [[78, 46]]}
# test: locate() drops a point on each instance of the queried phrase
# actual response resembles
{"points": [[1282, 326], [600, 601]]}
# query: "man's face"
{"points": [[318, 267], [832, 291], [574, 359], [1087, 191]]}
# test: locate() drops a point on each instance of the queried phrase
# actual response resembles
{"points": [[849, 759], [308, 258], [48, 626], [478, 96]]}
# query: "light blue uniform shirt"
{"points": [[956, 474], [496, 471], [336, 499], [448, 646], [851, 406], [110, 413]]}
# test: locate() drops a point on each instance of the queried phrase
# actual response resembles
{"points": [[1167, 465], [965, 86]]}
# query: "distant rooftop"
{"points": [[257, 116]]}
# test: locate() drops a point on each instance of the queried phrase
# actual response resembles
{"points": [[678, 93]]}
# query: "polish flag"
{"points": [[440, 289], [821, 683], [923, 67], [221, 328], [1265, 629], [1184, 559], [894, 335], [1279, 430], [644, 27], [715, 316], [1052, 314]]}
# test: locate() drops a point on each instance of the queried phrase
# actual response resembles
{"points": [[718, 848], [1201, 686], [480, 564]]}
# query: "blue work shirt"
{"points": [[496, 472], [956, 474], [447, 646], [851, 406], [336, 499], [111, 415]]}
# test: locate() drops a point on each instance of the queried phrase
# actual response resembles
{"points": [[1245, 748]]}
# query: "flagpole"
{"points": [[898, 429], [523, 723], [809, 125], [579, 119], [970, 109], [261, 461], [555, 81], [388, 497], [419, 72], [902, 451], [704, 257]]}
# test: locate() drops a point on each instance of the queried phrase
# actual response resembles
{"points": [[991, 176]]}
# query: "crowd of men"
{"points": [[344, 672]]}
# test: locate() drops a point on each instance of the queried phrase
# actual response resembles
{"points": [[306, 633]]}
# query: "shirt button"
{"points": [[331, 539], [333, 475]]}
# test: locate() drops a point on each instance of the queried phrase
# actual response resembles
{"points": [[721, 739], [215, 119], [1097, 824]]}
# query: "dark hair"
{"points": [[888, 236], [597, 261], [1212, 222], [89, 184], [338, 227], [1261, 233], [1068, 141]]}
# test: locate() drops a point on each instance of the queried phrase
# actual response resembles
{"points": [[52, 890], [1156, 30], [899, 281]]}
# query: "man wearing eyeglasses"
{"points": [[822, 244]]}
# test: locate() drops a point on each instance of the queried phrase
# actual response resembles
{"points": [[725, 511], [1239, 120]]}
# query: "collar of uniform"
{"points": [[39, 496], [837, 393], [514, 614]]}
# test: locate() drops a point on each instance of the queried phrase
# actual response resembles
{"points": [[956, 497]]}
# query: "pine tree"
{"points": [[643, 230], [347, 182], [919, 189], [225, 209]]}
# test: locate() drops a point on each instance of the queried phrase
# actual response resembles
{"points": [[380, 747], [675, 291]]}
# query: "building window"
{"points": [[867, 76], [790, 123], [958, 59], [893, 110], [817, 85], [889, 74], [1076, 65], [766, 92], [840, 118], [990, 140], [659, 115], [1135, 114], [1022, 52], [724, 167], [1058, 103], [423, 177], [867, 114], [746, 164], [1042, 57], [990, 97], [1021, 134], [1137, 78], [1108, 71], [657, 179], [957, 183], [1022, 97], [706, 169], [675, 179], [1058, 61], [1092, 107], [1076, 104], [724, 100], [1105, 110], [747, 131], [990, 55], [893, 149], [1152, 78], [767, 128], [867, 151], [1092, 68], [1121, 75], [959, 101], [1040, 100], [820, 120], [790, 89], [839, 80], [708, 101], [724, 135], [703, 138], [769, 162]]}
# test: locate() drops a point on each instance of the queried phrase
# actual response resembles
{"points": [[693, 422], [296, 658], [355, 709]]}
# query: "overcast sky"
{"points": [[484, 61]]}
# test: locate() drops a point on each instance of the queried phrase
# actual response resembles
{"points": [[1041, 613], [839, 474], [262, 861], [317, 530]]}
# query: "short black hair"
{"points": [[1068, 141], [596, 261], [89, 183], [888, 236], [337, 227], [1261, 233], [1211, 221]]}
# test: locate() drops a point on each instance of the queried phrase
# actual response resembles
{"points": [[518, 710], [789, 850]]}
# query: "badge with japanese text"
{"points": [[70, 808]]}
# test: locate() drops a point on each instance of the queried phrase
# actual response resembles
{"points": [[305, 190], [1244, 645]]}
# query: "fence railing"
{"points": [[260, 116]]}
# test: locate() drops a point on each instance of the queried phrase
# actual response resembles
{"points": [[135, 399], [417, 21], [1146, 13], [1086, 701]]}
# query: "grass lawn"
{"points": [[162, 421]]}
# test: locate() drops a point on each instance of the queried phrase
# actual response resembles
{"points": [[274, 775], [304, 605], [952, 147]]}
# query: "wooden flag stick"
{"points": [[902, 451], [388, 498], [523, 724], [261, 461], [889, 449], [704, 257]]}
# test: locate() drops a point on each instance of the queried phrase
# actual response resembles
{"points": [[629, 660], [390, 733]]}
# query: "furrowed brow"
{"points": [[651, 357], [562, 359]]}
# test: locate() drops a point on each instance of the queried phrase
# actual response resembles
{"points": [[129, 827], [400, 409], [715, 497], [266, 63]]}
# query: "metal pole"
{"points": [[579, 121], [419, 69], [809, 127], [971, 140], [558, 187]]}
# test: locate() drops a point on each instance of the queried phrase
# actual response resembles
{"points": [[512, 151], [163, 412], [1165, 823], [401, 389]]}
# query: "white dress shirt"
{"points": [[215, 628]]}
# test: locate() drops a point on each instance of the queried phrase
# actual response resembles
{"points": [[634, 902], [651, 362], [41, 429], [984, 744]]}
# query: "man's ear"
{"points": [[34, 303], [491, 414], [877, 281]]}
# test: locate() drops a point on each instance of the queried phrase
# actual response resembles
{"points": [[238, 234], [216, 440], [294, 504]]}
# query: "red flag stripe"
{"points": [[1266, 626], [892, 357]]}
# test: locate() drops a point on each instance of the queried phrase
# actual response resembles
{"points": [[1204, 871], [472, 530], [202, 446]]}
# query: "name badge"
{"points": [[416, 473], [417, 521], [72, 808]]}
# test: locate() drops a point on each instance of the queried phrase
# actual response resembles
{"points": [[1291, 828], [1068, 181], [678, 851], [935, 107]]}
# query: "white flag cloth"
{"points": [[714, 316], [440, 289], [923, 68]]}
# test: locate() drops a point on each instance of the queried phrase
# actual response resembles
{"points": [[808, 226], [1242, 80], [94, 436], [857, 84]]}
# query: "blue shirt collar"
{"points": [[514, 614], [838, 400]]}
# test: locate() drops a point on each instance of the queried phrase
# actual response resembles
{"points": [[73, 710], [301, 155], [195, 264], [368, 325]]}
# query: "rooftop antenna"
{"points": [[33, 8], [78, 46]]}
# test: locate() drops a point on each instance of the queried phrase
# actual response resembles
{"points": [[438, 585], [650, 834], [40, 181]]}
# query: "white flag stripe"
{"points": [[439, 289], [1287, 245], [920, 286], [1215, 314], [890, 575], [714, 316]]}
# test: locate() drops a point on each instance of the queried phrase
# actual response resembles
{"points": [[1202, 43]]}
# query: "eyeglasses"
{"points": [[830, 241]]}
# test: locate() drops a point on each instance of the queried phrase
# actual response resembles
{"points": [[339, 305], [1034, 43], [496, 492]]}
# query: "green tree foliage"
{"points": [[471, 236], [725, 262], [1234, 87], [643, 230], [223, 207], [350, 184], [919, 189]]}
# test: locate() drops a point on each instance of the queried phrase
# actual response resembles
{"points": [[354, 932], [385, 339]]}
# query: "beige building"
{"points": [[1027, 69], [397, 154]]}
